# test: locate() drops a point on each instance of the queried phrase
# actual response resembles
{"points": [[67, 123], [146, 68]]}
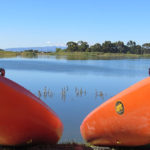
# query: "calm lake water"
{"points": [[73, 88]]}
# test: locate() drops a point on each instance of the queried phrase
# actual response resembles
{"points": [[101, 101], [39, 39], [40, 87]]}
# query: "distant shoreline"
{"points": [[99, 55], [82, 50], [73, 55]]}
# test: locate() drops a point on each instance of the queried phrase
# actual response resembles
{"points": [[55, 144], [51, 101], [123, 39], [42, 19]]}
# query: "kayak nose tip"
{"points": [[2, 72]]}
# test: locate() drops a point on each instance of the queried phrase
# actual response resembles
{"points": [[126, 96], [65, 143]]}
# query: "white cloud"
{"points": [[48, 43]]}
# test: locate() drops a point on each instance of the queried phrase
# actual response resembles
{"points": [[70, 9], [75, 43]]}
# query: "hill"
{"points": [[45, 48]]}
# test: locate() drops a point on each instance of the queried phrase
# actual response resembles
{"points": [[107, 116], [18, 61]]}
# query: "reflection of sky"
{"points": [[125, 67], [108, 76]]}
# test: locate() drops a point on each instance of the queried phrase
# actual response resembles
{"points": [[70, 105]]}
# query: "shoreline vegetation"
{"points": [[72, 55], [82, 50]]}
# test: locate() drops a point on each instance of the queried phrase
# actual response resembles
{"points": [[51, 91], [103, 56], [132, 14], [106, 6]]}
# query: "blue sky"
{"points": [[54, 22]]}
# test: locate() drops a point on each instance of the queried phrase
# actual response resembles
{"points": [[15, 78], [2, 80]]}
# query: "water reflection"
{"points": [[126, 67]]}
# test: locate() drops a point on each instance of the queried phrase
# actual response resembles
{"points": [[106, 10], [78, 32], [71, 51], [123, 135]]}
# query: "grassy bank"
{"points": [[74, 55], [98, 55], [8, 54]]}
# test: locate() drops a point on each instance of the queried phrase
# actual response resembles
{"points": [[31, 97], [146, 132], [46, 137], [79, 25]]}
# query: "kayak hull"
{"points": [[24, 118], [123, 120]]}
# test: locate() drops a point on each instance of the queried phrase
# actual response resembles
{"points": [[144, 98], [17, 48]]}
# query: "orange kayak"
{"points": [[24, 118], [123, 120]]}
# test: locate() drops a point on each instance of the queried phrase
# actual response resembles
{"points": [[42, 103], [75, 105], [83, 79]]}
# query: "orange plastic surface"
{"points": [[123, 120], [24, 118]]}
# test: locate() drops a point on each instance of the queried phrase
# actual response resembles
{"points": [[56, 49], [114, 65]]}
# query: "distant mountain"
{"points": [[45, 48]]}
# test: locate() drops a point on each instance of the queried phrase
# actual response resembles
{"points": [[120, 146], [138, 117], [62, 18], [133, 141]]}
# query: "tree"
{"points": [[82, 46], [120, 47], [107, 46], [96, 48], [131, 43], [72, 46], [146, 45], [138, 49], [146, 48], [132, 47]]}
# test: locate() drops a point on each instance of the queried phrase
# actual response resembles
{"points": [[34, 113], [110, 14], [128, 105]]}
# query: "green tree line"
{"points": [[107, 47]]}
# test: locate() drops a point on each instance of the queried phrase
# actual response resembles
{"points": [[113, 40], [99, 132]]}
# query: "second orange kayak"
{"points": [[123, 120]]}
